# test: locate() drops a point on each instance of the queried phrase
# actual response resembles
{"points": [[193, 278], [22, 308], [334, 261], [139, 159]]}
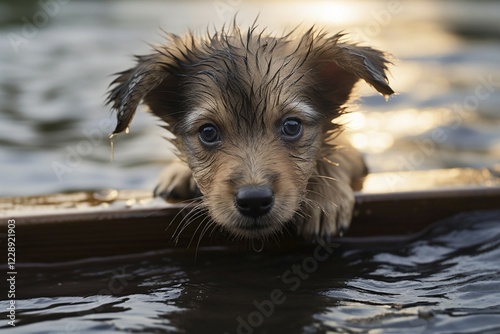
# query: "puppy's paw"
{"points": [[329, 210], [176, 183]]}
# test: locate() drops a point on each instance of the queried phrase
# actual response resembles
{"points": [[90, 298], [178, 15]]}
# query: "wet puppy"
{"points": [[254, 122]]}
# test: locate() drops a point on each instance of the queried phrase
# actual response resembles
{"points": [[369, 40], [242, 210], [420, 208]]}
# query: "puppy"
{"points": [[253, 117]]}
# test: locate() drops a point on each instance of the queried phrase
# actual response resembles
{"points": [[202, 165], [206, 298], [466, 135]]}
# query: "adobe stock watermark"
{"points": [[226, 9], [381, 18], [116, 284], [292, 279], [74, 154], [460, 113], [31, 25]]}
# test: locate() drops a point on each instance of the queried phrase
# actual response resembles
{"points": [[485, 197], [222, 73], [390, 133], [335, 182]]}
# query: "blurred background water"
{"points": [[56, 61], [57, 58]]}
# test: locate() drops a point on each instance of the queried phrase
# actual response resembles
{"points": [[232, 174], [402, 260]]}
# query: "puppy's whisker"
{"points": [[319, 205], [217, 229], [326, 177], [312, 203], [210, 225], [182, 211], [316, 183], [194, 211], [202, 223], [326, 200], [300, 214], [193, 216]]}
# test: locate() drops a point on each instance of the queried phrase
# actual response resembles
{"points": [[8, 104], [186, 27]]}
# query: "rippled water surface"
{"points": [[53, 137], [445, 281]]}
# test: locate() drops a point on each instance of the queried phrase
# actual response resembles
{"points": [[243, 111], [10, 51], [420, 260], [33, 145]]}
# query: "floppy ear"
{"points": [[341, 65], [365, 63], [150, 80]]}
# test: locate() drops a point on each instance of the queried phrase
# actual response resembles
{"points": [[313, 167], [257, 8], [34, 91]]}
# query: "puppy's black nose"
{"points": [[254, 201]]}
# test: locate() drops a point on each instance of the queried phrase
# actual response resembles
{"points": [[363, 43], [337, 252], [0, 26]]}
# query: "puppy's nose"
{"points": [[254, 201]]}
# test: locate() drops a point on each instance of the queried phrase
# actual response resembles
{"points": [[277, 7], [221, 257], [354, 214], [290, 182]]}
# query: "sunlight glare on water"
{"points": [[338, 12], [378, 131]]}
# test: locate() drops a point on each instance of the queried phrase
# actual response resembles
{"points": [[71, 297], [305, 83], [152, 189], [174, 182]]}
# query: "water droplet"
{"points": [[257, 245], [127, 129], [112, 143]]}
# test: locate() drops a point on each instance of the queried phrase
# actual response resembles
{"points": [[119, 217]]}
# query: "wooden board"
{"points": [[66, 227]]}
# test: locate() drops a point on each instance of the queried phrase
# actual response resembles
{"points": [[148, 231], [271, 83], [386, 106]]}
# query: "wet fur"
{"points": [[247, 83]]}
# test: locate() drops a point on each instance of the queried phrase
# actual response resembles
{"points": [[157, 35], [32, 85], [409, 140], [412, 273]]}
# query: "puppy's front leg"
{"points": [[330, 196], [176, 183]]}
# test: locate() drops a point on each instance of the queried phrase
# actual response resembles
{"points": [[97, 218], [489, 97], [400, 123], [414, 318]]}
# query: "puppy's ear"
{"points": [[155, 80], [133, 85], [340, 65]]}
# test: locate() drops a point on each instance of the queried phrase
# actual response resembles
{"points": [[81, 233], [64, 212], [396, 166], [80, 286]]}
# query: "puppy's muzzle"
{"points": [[254, 201]]}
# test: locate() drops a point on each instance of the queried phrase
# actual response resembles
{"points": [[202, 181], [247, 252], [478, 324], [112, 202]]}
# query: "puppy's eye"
{"points": [[209, 135], [291, 129]]}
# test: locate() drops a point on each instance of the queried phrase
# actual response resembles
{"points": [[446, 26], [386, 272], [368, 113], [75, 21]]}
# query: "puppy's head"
{"points": [[251, 114]]}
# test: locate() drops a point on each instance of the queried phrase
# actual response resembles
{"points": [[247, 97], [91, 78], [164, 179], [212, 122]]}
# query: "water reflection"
{"points": [[446, 280]]}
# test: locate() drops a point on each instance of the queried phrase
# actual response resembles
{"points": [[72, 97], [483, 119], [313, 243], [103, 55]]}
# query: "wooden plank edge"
{"points": [[96, 231]]}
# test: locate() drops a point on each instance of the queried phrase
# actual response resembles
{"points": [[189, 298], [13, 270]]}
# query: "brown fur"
{"points": [[249, 85]]}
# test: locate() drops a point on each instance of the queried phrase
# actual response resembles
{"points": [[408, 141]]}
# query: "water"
{"points": [[54, 131], [444, 281]]}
